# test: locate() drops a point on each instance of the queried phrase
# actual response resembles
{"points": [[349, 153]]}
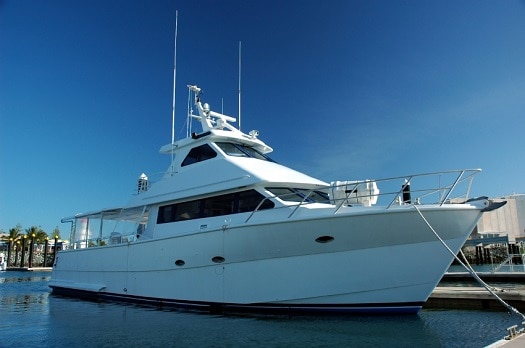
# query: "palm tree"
{"points": [[32, 231], [40, 235], [14, 235], [56, 233], [35, 235]]}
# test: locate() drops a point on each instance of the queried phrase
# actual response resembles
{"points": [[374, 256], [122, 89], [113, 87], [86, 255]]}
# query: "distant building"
{"points": [[508, 220]]}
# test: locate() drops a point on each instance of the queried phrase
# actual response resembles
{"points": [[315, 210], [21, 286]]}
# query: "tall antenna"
{"points": [[174, 79], [239, 85]]}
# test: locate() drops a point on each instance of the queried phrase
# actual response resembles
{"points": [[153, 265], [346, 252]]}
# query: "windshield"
{"points": [[299, 194], [238, 150]]}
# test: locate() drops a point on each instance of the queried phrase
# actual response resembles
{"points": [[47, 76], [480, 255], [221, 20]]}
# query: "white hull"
{"points": [[388, 261]]}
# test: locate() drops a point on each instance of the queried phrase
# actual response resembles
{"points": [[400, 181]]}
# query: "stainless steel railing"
{"points": [[436, 188]]}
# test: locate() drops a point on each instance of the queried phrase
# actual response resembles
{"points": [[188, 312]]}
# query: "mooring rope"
{"points": [[470, 269]]}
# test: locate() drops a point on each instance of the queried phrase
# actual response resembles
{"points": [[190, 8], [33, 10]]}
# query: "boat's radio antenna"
{"points": [[239, 85], [174, 84]]}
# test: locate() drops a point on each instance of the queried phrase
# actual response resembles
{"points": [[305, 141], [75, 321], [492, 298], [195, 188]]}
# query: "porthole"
{"points": [[218, 259], [324, 239], [180, 263]]}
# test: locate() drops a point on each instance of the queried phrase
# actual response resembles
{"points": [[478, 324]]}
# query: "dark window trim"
{"points": [[224, 206]]}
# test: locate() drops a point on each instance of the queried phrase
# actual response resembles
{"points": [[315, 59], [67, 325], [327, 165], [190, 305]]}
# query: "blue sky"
{"points": [[341, 90]]}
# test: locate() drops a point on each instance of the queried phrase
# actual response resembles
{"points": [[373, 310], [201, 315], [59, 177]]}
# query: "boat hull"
{"points": [[384, 261]]}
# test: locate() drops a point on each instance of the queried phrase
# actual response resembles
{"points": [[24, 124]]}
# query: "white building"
{"points": [[507, 220]]}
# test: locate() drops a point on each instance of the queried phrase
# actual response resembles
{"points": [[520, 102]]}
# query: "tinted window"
{"points": [[220, 205], [199, 154], [298, 195], [165, 214], [286, 194], [232, 203], [249, 200], [232, 150], [238, 150], [187, 210], [315, 196]]}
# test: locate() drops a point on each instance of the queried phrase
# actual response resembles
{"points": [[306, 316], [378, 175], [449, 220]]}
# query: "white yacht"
{"points": [[227, 229]]}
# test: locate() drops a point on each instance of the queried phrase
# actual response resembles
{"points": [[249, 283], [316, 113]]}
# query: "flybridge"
{"points": [[213, 123]]}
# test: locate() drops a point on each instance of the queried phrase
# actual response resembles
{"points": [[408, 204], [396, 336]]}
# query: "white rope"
{"points": [[471, 270]]}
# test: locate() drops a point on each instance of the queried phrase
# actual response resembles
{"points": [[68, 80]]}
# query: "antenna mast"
{"points": [[174, 79], [239, 85]]}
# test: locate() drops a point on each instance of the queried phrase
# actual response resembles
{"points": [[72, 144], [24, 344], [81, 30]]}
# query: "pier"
{"points": [[497, 277], [30, 269], [474, 298], [460, 290]]}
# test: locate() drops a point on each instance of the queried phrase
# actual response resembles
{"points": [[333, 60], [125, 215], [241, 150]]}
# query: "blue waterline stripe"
{"points": [[358, 308]]}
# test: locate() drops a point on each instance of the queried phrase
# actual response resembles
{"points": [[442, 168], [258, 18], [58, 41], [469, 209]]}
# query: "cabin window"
{"points": [[220, 205], [232, 203], [315, 196], [299, 194], [249, 200], [199, 154], [238, 150], [165, 214], [187, 210]]}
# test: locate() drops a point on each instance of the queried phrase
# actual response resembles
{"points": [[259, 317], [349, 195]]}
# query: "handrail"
{"points": [[301, 203], [452, 187], [452, 179], [348, 192], [257, 208]]}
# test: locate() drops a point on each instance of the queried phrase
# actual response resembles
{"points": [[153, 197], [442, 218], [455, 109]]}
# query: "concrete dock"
{"points": [[474, 298], [498, 277], [515, 339], [30, 269]]}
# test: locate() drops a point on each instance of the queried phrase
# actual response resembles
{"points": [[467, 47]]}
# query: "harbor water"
{"points": [[31, 316]]}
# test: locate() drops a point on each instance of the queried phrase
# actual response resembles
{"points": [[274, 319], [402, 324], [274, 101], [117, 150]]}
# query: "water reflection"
{"points": [[32, 316], [24, 292], [24, 279]]}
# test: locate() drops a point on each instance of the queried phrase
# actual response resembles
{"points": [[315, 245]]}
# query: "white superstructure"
{"points": [[228, 229]]}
